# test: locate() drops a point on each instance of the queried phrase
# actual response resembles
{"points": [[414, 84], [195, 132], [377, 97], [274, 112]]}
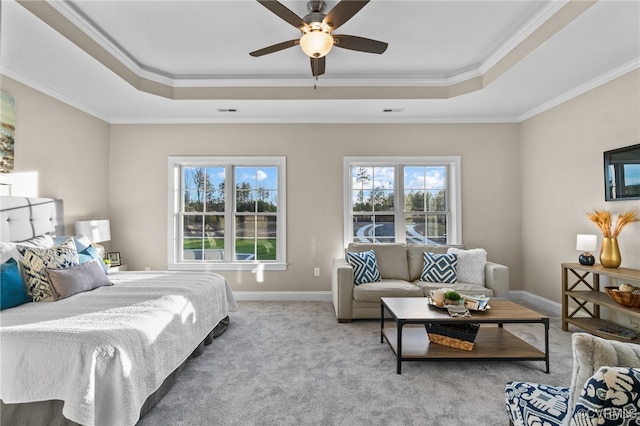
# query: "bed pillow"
{"points": [[81, 241], [12, 290], [90, 254], [471, 265], [35, 261], [10, 250], [72, 280], [365, 266], [439, 268]]}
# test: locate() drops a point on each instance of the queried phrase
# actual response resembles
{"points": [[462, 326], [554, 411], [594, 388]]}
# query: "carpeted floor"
{"points": [[292, 363]]}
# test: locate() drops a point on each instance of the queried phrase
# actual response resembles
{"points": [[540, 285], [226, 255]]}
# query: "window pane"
{"points": [[267, 200], [266, 226], [245, 226], [426, 229], [374, 228], [436, 201], [192, 226], [245, 249], [256, 189], [266, 249], [193, 201], [214, 229]]}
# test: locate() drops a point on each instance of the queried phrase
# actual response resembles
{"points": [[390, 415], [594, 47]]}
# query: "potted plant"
{"points": [[452, 298]]}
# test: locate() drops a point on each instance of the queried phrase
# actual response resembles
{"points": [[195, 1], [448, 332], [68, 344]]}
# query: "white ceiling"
{"points": [[201, 48]]}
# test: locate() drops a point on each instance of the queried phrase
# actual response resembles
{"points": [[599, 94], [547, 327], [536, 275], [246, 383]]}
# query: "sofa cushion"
{"points": [[372, 292], [415, 257], [462, 288], [365, 266], [439, 268], [391, 257], [471, 264]]}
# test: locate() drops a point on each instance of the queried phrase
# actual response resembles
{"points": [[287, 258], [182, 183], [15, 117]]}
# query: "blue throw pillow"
{"points": [[12, 289], [439, 268], [365, 267], [90, 253]]}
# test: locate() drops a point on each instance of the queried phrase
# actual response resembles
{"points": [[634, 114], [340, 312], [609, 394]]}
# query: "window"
{"points": [[227, 213], [414, 200]]}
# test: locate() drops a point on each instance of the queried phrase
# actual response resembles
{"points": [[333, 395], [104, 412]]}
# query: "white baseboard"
{"points": [[535, 300], [325, 296], [283, 296]]}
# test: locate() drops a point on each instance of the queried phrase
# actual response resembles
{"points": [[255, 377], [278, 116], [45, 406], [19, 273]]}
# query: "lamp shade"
{"points": [[586, 242], [96, 230], [316, 44]]}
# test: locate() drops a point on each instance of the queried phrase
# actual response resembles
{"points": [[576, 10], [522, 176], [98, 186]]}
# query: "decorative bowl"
{"points": [[624, 298]]}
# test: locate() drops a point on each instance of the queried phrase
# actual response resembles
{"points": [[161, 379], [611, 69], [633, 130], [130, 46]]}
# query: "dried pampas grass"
{"points": [[603, 220]]}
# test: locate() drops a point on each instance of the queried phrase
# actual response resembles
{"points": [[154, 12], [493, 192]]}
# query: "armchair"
{"points": [[605, 389]]}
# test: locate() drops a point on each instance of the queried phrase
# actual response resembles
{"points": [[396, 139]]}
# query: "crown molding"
{"points": [[21, 78], [582, 89], [74, 25]]}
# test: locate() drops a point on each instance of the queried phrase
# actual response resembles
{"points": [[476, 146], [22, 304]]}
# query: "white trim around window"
{"points": [[453, 200], [176, 214]]}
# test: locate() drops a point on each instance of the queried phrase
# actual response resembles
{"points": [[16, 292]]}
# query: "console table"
{"points": [[585, 290]]}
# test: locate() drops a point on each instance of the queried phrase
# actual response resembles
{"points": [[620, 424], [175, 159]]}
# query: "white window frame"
{"points": [[174, 231], [454, 197]]}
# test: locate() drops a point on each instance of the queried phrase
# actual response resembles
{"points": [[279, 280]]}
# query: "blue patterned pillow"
{"points": [[12, 290], [35, 262], [91, 254], [365, 266], [610, 397], [439, 268]]}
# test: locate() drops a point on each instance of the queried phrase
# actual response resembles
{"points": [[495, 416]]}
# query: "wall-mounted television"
{"points": [[622, 173]]}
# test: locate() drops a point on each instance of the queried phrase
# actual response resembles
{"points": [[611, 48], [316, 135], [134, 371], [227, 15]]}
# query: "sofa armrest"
{"points": [[497, 278], [342, 289]]}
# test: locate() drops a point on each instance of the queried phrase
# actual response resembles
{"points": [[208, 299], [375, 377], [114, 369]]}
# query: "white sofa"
{"points": [[400, 268]]}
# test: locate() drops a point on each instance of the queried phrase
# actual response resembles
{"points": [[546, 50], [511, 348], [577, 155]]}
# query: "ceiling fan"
{"points": [[316, 28]]}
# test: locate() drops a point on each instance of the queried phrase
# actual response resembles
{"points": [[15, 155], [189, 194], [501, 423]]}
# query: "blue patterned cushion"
{"points": [[365, 266], [536, 404], [91, 254], [35, 261], [610, 397], [439, 268], [12, 290]]}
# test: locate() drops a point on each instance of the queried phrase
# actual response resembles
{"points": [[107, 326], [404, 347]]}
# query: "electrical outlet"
{"points": [[316, 272]]}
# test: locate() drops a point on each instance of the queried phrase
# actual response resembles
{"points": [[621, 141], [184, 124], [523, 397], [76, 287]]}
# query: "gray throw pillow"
{"points": [[592, 352], [66, 282]]}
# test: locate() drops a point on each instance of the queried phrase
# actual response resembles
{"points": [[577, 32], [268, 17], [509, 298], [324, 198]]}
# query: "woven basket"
{"points": [[628, 299], [457, 336]]}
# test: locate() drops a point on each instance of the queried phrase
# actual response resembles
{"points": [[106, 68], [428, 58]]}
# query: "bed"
{"points": [[104, 356]]}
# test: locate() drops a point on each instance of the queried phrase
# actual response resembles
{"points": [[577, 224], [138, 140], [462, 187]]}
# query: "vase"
{"points": [[610, 253]]}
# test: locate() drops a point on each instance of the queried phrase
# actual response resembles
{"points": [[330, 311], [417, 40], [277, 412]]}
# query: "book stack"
{"points": [[619, 331]]}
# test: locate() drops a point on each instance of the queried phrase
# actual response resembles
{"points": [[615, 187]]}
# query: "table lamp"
{"points": [[586, 243], [97, 231]]}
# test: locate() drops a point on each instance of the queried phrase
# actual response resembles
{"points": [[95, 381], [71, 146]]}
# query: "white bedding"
{"points": [[105, 351]]}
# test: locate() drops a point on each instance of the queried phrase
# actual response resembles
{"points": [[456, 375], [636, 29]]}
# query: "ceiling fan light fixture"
{"points": [[316, 44]]}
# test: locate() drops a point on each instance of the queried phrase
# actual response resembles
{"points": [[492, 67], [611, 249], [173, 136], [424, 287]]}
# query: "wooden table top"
{"points": [[419, 309]]}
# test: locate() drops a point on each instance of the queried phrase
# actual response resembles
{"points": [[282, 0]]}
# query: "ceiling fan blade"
{"points": [[275, 47], [360, 44], [283, 12], [318, 65], [342, 12]]}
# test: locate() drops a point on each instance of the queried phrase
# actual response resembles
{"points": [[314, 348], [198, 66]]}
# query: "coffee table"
{"points": [[409, 340]]}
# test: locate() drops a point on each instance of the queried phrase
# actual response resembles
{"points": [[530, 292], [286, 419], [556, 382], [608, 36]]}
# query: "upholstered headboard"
{"points": [[22, 218]]}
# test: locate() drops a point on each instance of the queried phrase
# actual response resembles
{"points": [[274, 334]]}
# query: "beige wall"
{"points": [[315, 153], [68, 149], [562, 179], [525, 188]]}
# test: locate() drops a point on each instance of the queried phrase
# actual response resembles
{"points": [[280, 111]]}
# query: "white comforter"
{"points": [[105, 351]]}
